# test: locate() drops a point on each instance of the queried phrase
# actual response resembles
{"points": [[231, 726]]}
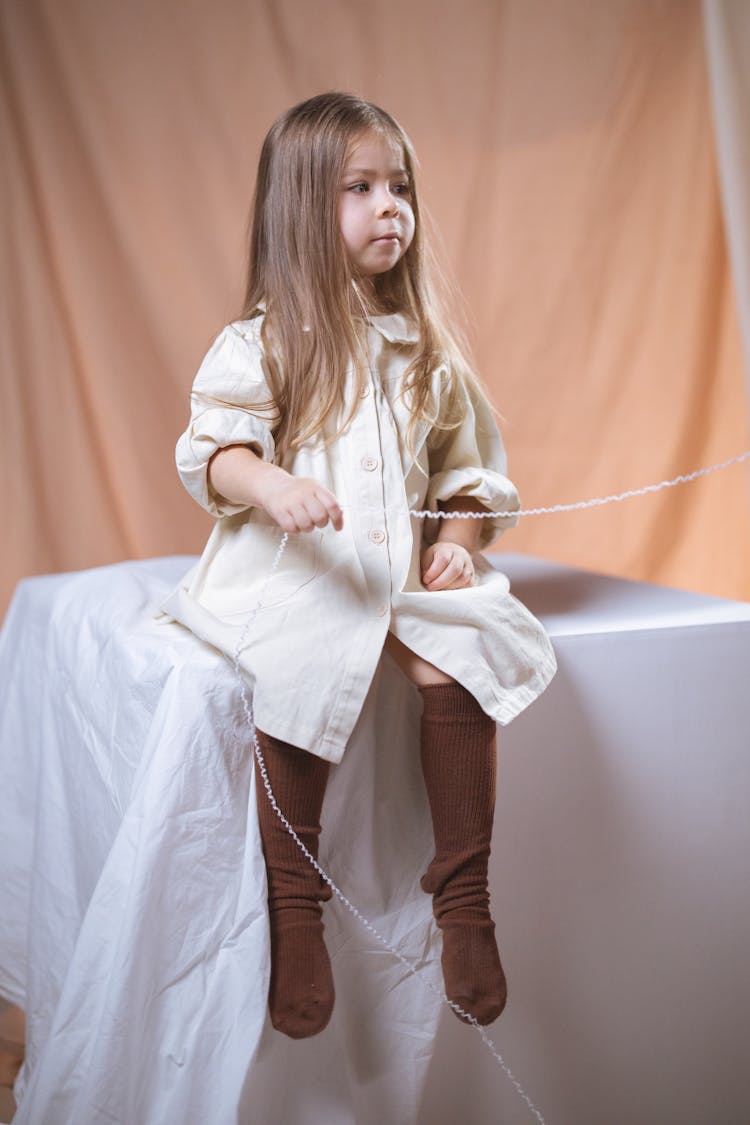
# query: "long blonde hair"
{"points": [[299, 273]]}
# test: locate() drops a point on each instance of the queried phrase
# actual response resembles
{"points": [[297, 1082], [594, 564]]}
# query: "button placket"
{"points": [[399, 528], [365, 488]]}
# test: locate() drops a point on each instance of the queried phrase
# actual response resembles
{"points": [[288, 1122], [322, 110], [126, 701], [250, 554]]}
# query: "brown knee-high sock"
{"points": [[301, 995], [458, 762]]}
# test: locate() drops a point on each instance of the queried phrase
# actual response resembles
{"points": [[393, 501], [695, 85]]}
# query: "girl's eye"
{"points": [[401, 189], [359, 187]]}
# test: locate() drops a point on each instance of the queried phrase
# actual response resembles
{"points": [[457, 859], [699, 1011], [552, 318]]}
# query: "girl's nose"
{"points": [[388, 204]]}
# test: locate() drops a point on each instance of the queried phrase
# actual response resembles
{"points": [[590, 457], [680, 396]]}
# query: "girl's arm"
{"points": [[294, 503], [447, 564]]}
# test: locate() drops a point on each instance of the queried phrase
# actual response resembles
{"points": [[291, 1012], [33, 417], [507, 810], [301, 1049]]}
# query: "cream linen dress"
{"points": [[312, 648]]}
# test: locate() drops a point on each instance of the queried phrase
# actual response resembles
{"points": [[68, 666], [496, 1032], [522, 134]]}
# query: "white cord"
{"points": [[410, 966], [596, 502], [242, 644]]}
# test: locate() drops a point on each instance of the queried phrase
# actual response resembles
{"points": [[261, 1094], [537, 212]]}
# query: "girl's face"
{"points": [[376, 217]]}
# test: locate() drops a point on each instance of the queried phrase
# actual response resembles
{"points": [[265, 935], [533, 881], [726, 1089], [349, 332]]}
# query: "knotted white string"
{"points": [[411, 967], [242, 643], [596, 502]]}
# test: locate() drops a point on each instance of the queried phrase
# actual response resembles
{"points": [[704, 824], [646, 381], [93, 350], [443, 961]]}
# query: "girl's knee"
{"points": [[414, 667]]}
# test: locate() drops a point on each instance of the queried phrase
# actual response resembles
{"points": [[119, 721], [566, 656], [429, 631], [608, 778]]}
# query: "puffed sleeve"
{"points": [[229, 406], [470, 461]]}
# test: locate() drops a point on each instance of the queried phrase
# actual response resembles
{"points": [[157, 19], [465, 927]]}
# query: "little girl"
{"points": [[337, 403]]}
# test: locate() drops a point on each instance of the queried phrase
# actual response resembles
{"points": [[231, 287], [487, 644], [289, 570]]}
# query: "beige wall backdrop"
{"points": [[567, 158]]}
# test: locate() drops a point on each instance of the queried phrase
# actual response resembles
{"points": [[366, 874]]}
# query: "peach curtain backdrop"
{"points": [[568, 159]]}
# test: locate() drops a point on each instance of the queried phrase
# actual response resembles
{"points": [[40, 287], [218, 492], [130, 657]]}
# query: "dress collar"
{"points": [[396, 328]]}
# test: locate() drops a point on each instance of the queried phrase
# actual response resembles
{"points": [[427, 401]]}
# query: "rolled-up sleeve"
{"points": [[470, 461], [230, 405]]}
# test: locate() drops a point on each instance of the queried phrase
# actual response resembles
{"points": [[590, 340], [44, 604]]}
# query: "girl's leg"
{"points": [[459, 767], [301, 995]]}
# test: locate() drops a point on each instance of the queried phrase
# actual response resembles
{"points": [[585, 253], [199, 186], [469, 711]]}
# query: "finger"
{"points": [[434, 573], [439, 562], [458, 574], [301, 517], [465, 580], [317, 511], [443, 581], [323, 506], [455, 566], [287, 523], [333, 509]]}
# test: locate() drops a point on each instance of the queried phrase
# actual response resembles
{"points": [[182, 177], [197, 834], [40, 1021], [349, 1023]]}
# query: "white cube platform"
{"points": [[133, 928]]}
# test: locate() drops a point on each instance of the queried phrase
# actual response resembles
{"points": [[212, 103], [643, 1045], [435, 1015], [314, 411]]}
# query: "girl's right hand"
{"points": [[238, 475], [300, 504]]}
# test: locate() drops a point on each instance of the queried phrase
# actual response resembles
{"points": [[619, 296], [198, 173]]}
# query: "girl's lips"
{"points": [[386, 238]]}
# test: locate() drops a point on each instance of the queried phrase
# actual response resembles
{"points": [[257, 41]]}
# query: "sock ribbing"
{"points": [[301, 994], [459, 767]]}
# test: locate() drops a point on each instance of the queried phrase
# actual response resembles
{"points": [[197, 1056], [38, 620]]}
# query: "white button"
{"points": [[369, 463], [377, 535], [382, 610], [364, 392]]}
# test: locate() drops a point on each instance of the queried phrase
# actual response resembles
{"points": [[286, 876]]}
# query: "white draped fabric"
{"points": [[133, 928], [727, 25]]}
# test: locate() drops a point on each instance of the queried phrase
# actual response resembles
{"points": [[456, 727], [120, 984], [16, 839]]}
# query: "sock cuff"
{"points": [[450, 701]]}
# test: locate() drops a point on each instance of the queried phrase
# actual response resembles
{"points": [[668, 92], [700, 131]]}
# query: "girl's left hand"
{"points": [[446, 566]]}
